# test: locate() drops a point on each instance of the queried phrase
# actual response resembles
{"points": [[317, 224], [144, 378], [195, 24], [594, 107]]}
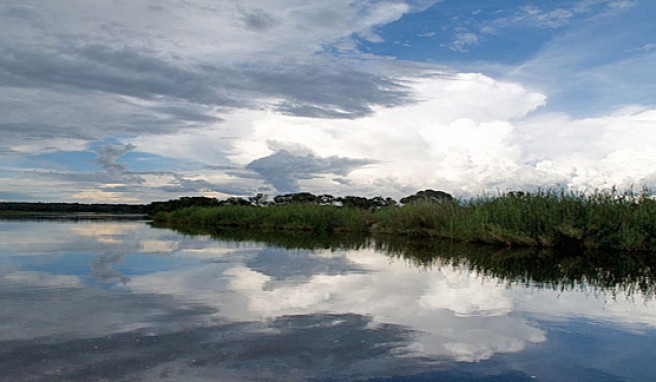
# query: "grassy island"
{"points": [[549, 219]]}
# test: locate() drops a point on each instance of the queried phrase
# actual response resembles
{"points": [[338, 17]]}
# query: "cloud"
{"points": [[106, 157], [69, 120], [124, 71], [552, 19], [144, 71], [469, 134], [458, 137], [183, 185], [464, 133], [587, 70], [621, 4], [463, 41], [100, 71], [594, 153], [553, 16], [283, 169], [258, 19], [21, 12], [324, 89], [212, 82], [116, 182], [100, 196]]}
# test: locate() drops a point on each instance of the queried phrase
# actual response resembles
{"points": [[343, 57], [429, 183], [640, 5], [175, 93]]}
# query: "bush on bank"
{"points": [[544, 219]]}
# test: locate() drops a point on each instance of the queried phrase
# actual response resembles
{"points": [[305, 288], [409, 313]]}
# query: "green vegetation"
{"points": [[18, 208], [547, 219], [286, 217]]}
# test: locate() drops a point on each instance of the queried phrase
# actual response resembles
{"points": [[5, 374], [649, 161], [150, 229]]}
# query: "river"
{"points": [[103, 300]]}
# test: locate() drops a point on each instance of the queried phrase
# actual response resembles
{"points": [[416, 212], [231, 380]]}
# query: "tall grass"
{"points": [[291, 217], [543, 219], [552, 219]]}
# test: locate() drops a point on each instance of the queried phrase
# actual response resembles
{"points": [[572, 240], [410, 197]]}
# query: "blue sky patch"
{"points": [[64, 161], [498, 32], [140, 161]]}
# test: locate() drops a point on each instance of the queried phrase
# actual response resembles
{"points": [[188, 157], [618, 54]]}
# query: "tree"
{"points": [[185, 201], [430, 196], [259, 200]]}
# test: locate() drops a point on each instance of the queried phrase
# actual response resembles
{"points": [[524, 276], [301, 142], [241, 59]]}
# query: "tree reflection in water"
{"points": [[605, 273]]}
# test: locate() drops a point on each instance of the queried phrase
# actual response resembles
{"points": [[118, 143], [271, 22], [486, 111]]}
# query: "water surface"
{"points": [[121, 301]]}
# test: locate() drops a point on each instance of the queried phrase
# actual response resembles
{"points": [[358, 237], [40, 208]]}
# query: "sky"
{"points": [[117, 101]]}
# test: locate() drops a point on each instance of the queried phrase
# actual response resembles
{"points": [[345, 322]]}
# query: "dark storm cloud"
{"points": [[191, 113], [337, 91], [25, 131], [34, 117], [283, 169], [315, 89], [124, 71], [258, 19], [21, 12], [180, 184]]}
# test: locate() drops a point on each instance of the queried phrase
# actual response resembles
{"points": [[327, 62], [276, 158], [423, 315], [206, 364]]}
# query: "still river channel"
{"points": [[123, 301]]}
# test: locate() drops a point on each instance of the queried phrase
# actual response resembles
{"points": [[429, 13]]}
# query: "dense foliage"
{"points": [[71, 207], [542, 219]]}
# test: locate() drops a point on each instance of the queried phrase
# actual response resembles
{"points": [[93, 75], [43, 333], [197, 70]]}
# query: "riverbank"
{"points": [[38, 215], [543, 219]]}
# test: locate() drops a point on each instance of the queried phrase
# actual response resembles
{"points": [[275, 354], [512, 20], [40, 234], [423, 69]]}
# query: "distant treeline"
{"points": [[546, 219], [72, 208], [259, 200], [300, 198]]}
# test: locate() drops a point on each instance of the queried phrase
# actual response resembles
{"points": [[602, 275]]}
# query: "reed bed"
{"points": [[286, 217], [571, 221]]}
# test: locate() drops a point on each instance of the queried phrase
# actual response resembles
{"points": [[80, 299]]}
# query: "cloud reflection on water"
{"points": [[190, 307], [454, 315]]}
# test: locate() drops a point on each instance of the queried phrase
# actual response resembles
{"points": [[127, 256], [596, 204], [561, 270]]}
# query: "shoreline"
{"points": [[543, 220]]}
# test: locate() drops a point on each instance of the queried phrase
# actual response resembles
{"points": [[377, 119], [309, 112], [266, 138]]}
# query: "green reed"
{"points": [[542, 219], [290, 217]]}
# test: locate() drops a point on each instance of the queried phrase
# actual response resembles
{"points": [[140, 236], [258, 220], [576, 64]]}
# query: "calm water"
{"points": [[121, 301]]}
